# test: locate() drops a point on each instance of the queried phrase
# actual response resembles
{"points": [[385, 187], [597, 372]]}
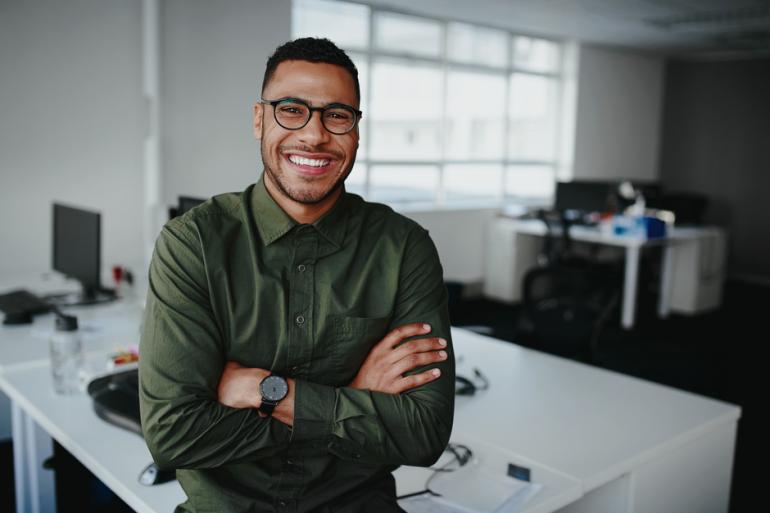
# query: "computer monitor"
{"points": [[582, 196], [185, 204], [77, 251]]}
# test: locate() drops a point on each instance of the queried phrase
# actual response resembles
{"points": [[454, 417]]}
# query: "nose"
{"points": [[314, 133]]}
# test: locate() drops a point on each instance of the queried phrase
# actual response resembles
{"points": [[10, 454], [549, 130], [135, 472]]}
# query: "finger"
{"points": [[416, 380], [419, 345], [416, 360], [394, 337]]}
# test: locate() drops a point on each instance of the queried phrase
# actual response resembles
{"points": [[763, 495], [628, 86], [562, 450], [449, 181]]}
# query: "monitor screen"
{"points": [[76, 244], [187, 202], [583, 196]]}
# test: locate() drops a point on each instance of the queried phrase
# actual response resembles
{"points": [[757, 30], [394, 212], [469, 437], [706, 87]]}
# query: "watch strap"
{"points": [[267, 407]]}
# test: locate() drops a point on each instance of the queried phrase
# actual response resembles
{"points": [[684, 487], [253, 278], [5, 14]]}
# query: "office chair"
{"points": [[568, 299]]}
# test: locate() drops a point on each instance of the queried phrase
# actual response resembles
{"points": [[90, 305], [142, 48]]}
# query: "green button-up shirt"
{"points": [[238, 279]]}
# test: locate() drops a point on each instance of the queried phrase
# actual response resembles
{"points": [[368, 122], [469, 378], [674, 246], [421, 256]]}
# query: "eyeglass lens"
{"points": [[294, 115]]}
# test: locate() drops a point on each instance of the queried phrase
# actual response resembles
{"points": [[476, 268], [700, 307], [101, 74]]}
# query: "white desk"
{"points": [[599, 441], [636, 446], [513, 251]]}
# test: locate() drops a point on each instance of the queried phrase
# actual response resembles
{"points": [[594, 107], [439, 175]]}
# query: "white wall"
{"points": [[461, 240], [619, 106], [213, 58], [71, 125]]}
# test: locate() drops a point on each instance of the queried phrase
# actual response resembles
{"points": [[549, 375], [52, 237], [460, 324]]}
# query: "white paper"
{"points": [[473, 488]]}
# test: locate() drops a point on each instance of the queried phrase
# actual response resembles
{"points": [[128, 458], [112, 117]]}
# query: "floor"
{"points": [[715, 354]]}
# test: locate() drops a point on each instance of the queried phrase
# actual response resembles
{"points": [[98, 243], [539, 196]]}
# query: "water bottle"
{"points": [[66, 355]]}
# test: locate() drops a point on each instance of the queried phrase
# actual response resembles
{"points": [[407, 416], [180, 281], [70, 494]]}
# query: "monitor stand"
{"points": [[87, 296]]}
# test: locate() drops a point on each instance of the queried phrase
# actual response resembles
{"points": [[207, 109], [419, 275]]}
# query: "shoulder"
{"points": [[383, 220], [211, 215]]}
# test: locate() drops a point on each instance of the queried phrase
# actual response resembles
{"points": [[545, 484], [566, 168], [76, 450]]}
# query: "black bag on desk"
{"points": [[116, 399]]}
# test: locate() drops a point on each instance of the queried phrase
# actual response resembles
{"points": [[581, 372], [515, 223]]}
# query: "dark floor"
{"points": [[715, 354]]}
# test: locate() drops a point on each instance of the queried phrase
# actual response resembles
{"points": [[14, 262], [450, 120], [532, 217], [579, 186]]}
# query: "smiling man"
{"points": [[296, 345]]}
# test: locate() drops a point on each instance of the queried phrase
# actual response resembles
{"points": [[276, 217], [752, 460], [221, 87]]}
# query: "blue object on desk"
{"points": [[645, 227]]}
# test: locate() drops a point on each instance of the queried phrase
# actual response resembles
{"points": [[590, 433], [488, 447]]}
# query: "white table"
{"points": [[635, 446], [599, 441], [509, 256]]}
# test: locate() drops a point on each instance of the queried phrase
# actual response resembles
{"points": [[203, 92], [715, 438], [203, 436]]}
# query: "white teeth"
{"points": [[308, 162]]}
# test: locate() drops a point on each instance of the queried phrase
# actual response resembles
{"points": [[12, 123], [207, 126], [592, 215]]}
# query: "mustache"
{"points": [[310, 149]]}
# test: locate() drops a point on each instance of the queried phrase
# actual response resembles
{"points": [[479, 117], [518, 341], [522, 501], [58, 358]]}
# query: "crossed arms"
{"points": [[198, 409]]}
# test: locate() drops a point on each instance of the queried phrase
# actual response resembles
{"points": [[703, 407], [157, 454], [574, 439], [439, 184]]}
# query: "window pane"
{"points": [[475, 115], [477, 45], [535, 54], [405, 121], [473, 181], [529, 181], [532, 130], [363, 75], [403, 183], [346, 24], [356, 180], [409, 34]]}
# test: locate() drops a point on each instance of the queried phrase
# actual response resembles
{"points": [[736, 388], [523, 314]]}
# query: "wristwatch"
{"points": [[272, 388]]}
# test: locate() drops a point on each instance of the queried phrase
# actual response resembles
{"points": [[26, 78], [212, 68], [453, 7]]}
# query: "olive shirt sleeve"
{"points": [[411, 428], [182, 359]]}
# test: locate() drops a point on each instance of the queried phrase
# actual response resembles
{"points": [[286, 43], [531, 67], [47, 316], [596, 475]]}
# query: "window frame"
{"points": [[446, 65]]}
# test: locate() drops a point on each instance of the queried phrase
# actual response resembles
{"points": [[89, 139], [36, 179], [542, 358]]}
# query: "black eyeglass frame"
{"points": [[356, 113]]}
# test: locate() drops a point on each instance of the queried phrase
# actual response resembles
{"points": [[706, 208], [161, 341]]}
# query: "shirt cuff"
{"points": [[314, 406]]}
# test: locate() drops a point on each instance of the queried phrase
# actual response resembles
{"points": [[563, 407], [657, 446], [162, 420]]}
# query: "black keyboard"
{"points": [[20, 301]]}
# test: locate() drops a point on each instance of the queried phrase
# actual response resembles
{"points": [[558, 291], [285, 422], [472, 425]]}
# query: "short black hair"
{"points": [[311, 49]]}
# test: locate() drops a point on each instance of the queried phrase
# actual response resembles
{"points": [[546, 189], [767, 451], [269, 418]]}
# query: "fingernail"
{"points": [[442, 342], [442, 354], [436, 372], [426, 327]]}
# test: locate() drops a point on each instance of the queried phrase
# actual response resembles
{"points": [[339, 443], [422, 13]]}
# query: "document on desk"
{"points": [[472, 489]]}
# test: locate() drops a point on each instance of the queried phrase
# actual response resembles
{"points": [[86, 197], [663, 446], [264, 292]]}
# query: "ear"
{"points": [[259, 109]]}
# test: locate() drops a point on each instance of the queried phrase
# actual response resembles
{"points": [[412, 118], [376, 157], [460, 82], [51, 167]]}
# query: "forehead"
{"points": [[319, 83]]}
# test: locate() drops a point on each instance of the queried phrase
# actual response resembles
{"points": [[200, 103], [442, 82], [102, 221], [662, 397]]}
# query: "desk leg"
{"points": [[629, 286], [664, 301], [35, 487]]}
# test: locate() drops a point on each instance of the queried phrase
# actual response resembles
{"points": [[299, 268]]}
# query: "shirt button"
{"points": [[300, 320], [301, 268]]}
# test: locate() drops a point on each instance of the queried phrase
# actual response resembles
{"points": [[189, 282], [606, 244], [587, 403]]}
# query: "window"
{"points": [[452, 111]]}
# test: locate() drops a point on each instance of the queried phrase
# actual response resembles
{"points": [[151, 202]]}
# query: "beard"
{"points": [[307, 196]]}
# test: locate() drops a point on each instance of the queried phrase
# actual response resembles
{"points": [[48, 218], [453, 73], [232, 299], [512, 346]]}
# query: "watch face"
{"points": [[274, 388]]}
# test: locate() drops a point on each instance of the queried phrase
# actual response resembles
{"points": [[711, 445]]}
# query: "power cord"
{"points": [[462, 455]]}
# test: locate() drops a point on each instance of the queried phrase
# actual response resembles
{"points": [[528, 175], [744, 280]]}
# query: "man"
{"points": [[296, 345]]}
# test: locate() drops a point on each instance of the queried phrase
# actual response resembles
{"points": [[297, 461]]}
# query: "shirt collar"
{"points": [[273, 223]]}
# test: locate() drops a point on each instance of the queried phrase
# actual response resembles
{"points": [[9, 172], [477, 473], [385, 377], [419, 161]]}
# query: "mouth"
{"points": [[309, 165]]}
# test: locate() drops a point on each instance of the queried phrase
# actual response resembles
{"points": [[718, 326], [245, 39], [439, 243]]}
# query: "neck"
{"points": [[303, 213]]}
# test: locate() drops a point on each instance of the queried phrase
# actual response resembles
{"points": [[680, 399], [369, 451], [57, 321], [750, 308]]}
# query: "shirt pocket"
{"points": [[352, 339]]}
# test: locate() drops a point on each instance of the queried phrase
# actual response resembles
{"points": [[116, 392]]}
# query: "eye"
{"points": [[291, 109], [338, 115]]}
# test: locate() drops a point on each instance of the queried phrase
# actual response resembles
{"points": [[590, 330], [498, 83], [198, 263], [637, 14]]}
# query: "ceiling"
{"points": [[686, 28]]}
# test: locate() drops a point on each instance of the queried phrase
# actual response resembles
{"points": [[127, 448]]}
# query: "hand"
{"points": [[239, 386], [383, 369]]}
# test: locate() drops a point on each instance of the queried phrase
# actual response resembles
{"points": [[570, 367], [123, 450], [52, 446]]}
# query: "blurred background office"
{"points": [[475, 114]]}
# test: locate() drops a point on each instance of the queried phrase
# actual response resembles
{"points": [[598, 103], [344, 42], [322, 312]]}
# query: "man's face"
{"points": [[310, 164]]}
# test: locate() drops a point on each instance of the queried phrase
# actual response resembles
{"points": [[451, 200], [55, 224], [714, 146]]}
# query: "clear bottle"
{"points": [[66, 355]]}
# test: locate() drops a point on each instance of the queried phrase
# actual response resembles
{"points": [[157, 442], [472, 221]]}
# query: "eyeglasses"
{"points": [[293, 114]]}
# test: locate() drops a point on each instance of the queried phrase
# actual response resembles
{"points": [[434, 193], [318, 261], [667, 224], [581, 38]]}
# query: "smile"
{"points": [[302, 161]]}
